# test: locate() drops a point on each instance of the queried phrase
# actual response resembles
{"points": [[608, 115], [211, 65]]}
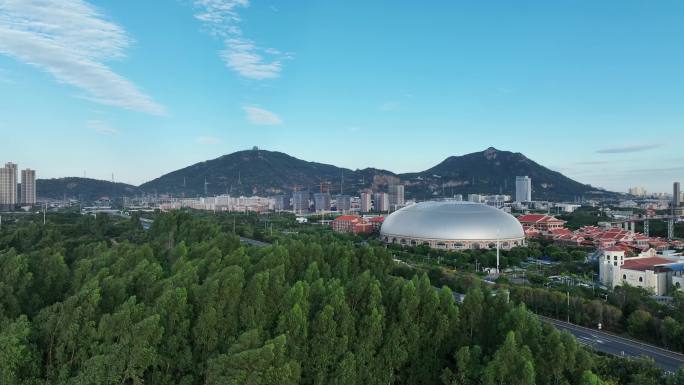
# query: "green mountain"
{"points": [[264, 173], [493, 171], [82, 188]]}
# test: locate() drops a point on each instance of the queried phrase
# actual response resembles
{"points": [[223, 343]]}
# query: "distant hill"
{"points": [[82, 188], [264, 173], [493, 171]]}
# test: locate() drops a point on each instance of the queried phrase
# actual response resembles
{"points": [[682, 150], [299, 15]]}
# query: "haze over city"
{"points": [[138, 89]]}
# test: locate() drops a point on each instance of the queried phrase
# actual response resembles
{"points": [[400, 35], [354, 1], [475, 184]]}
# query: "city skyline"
{"points": [[590, 90]]}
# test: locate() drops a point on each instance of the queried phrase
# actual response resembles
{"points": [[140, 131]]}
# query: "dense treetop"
{"points": [[87, 300]]}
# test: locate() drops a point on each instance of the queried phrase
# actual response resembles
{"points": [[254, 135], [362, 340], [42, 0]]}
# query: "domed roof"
{"points": [[452, 220]]}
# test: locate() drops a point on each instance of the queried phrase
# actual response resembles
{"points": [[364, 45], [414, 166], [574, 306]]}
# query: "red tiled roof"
{"points": [[536, 218], [613, 248], [643, 264], [348, 218]]}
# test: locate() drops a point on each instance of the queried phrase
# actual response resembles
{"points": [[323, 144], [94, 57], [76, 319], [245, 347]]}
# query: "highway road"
{"points": [[620, 346]]}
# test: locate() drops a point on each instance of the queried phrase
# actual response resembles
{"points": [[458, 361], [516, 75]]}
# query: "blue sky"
{"points": [[140, 88]]}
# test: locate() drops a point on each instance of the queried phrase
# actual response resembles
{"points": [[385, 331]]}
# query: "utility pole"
{"points": [[497, 252], [568, 292]]}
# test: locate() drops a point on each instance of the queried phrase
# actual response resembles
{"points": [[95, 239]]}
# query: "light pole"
{"points": [[497, 252]]}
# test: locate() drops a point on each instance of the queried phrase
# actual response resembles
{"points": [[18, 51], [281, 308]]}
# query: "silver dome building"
{"points": [[452, 225]]}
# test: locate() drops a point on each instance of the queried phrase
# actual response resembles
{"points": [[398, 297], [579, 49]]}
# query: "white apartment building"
{"points": [[523, 189]]}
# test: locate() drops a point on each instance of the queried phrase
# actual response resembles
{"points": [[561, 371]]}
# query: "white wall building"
{"points": [[523, 189], [649, 270]]}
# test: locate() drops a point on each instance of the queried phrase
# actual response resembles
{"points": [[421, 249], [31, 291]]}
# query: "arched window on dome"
{"points": [[459, 245], [413, 242], [476, 245], [492, 245]]}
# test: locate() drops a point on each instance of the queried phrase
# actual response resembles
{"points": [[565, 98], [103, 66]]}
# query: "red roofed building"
{"points": [[543, 223], [355, 224], [648, 270]]}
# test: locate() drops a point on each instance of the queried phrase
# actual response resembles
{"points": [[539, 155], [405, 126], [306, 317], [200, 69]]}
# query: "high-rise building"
{"points": [[477, 198], [676, 195], [281, 202], [381, 201], [366, 202], [458, 197], [637, 191], [8, 185], [322, 201], [28, 186], [523, 189], [343, 203], [300, 201], [396, 195]]}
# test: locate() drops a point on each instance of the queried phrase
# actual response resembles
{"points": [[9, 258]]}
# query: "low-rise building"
{"points": [[543, 223], [353, 224], [649, 270]]}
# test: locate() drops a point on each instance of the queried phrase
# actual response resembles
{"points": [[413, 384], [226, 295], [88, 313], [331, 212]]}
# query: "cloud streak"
{"points": [[240, 54], [628, 149], [262, 117], [71, 40], [101, 127]]}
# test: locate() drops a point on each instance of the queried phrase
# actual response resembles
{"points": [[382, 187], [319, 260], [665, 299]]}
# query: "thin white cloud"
{"points": [[208, 140], [240, 54], [389, 106], [629, 148], [101, 127], [72, 40], [262, 117]]}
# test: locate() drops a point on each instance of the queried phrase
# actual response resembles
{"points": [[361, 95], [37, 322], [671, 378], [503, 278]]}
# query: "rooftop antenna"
{"points": [[112, 177]]}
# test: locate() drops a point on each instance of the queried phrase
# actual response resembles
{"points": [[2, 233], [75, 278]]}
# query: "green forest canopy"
{"points": [[88, 300]]}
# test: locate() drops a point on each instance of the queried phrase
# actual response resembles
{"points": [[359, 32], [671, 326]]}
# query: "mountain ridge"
{"points": [[263, 172]]}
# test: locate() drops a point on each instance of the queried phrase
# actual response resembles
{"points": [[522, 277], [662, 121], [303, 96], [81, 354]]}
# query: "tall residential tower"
{"points": [[28, 186], [676, 195], [8, 185], [523, 189], [396, 195]]}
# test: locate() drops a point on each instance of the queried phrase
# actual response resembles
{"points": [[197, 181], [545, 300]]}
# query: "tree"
{"points": [[638, 323], [251, 361], [16, 357], [472, 312], [512, 365]]}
